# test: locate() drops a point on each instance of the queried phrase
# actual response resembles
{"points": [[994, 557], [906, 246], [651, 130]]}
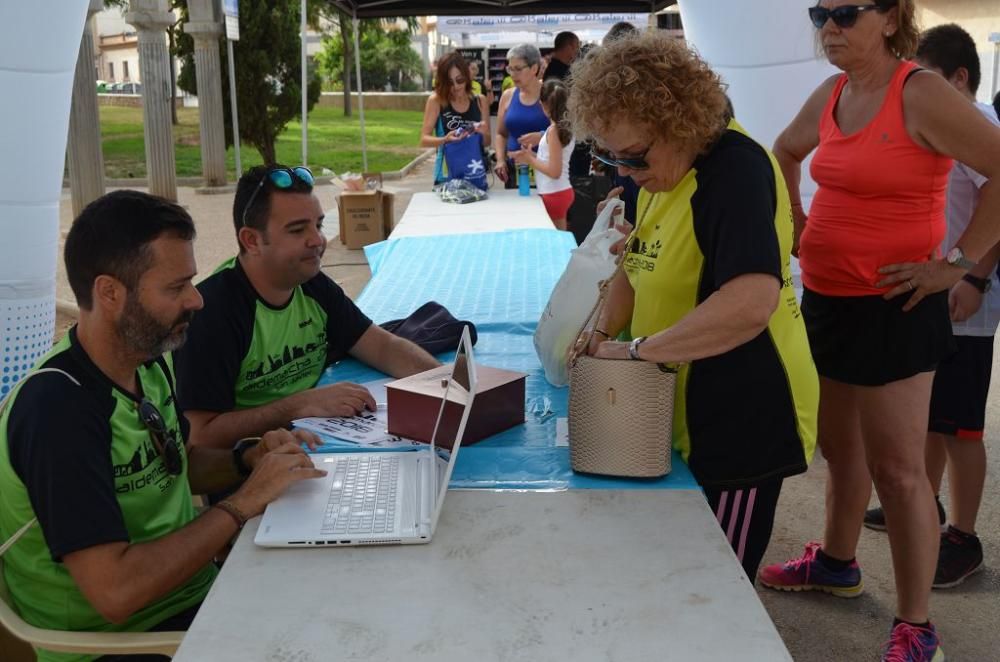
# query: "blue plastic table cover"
{"points": [[469, 274]]}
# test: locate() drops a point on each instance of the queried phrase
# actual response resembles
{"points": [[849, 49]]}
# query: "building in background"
{"points": [[116, 48]]}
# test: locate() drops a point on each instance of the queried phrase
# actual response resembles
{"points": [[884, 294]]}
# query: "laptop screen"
{"points": [[460, 390]]}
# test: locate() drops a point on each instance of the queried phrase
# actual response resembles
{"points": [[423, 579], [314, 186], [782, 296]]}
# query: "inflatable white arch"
{"points": [[765, 51], [38, 51]]}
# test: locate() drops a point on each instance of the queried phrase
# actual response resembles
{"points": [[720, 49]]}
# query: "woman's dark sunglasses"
{"points": [[282, 178], [631, 162], [844, 16], [164, 440]]}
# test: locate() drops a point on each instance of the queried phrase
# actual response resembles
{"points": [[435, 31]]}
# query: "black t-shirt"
{"points": [[75, 454], [556, 69], [241, 352], [82, 452], [748, 414], [452, 119]]}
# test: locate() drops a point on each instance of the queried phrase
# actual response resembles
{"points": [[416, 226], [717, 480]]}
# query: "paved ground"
{"points": [[815, 627]]}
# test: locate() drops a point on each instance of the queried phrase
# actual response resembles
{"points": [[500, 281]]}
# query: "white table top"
{"points": [[578, 575], [502, 210]]}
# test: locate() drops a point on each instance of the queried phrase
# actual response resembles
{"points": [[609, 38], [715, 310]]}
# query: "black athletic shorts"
{"points": [[868, 341], [962, 382]]}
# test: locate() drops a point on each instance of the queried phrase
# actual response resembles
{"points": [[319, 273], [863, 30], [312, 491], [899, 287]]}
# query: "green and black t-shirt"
{"points": [[77, 457], [749, 414], [242, 352]]}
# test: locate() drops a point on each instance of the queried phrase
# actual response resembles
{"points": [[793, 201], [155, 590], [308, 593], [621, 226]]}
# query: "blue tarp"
{"points": [[500, 282]]}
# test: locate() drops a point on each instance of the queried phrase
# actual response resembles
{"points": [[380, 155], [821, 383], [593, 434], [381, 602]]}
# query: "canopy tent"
{"points": [[378, 8], [359, 9]]}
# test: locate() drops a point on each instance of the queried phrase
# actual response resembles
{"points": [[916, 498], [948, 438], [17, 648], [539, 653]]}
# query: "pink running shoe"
{"points": [[909, 643], [807, 573]]}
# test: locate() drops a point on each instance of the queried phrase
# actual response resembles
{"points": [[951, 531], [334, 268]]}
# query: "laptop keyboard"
{"points": [[363, 496]]}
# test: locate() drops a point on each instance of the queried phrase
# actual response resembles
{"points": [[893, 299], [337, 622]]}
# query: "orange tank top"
{"points": [[880, 201]]}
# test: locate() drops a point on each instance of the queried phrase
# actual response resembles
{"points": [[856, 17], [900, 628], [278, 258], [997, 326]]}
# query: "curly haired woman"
{"points": [[707, 281]]}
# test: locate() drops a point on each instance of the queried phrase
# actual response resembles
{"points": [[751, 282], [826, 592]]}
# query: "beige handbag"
{"points": [[620, 412]]}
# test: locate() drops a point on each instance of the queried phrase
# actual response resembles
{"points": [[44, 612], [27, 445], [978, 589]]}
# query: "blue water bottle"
{"points": [[523, 185]]}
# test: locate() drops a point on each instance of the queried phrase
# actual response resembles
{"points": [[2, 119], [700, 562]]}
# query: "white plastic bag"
{"points": [[574, 295]]}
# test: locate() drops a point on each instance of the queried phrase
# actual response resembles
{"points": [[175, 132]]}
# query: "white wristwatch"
{"points": [[956, 258]]}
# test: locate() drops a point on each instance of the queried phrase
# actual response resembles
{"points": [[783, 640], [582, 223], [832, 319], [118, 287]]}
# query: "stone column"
{"points": [[205, 27], [151, 19], [84, 156]]}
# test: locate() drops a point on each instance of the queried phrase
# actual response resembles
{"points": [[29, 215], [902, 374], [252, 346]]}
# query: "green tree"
{"points": [[337, 60], [386, 57], [268, 73]]}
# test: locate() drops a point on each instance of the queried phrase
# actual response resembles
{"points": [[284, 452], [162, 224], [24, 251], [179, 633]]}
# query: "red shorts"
{"points": [[557, 204]]}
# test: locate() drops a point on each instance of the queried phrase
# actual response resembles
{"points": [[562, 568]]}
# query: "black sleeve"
{"points": [[734, 211], [59, 440], [207, 366], [345, 323]]}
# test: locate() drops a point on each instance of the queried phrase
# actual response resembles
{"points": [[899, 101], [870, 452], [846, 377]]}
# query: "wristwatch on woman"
{"points": [[956, 258], [982, 284], [633, 348]]}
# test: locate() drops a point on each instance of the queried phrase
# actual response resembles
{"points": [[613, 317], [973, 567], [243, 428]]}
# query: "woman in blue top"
{"points": [[520, 112]]}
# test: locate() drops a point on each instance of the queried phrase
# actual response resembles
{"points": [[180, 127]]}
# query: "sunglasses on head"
{"points": [[164, 440], [844, 16], [282, 178], [637, 162]]}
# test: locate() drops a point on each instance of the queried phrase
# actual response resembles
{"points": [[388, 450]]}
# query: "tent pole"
{"points": [[305, 91], [361, 94]]}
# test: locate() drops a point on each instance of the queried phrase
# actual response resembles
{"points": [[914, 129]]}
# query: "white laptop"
{"points": [[375, 497]]}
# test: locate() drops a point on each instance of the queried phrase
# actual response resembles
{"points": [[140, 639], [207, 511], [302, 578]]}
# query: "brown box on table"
{"points": [[413, 404], [361, 217]]}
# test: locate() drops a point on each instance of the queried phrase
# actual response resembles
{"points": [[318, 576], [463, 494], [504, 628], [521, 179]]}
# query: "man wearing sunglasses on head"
{"points": [[92, 443], [273, 322]]}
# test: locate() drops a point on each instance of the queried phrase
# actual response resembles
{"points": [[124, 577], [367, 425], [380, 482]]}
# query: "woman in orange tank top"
{"points": [[875, 302]]}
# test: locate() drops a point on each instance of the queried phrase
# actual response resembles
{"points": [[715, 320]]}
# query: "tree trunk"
{"points": [[345, 40], [267, 151]]}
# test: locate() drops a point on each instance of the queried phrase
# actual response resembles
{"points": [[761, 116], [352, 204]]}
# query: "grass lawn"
{"points": [[334, 142]]}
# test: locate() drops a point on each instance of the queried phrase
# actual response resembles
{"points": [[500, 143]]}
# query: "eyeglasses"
{"points": [[164, 440], [637, 162], [282, 178], [844, 16], [512, 69]]}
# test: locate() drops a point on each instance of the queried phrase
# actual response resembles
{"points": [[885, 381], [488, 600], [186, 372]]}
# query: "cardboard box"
{"points": [[414, 401], [361, 218]]}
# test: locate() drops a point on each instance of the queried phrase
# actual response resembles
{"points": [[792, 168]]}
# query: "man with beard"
{"points": [[92, 443], [273, 322]]}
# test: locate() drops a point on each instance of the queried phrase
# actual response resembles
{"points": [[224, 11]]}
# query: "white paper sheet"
{"points": [[562, 432], [369, 429]]}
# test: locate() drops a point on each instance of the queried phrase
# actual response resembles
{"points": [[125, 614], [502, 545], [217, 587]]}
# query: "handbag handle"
{"points": [[585, 334], [578, 347]]}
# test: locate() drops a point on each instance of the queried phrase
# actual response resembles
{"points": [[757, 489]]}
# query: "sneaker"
{"points": [[807, 573], [909, 643], [875, 518], [959, 557]]}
